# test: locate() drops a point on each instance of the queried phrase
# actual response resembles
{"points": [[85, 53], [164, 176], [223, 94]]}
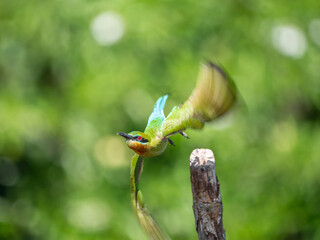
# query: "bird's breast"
{"points": [[157, 146]]}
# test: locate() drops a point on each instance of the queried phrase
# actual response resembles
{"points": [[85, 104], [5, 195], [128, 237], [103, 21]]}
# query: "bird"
{"points": [[214, 95]]}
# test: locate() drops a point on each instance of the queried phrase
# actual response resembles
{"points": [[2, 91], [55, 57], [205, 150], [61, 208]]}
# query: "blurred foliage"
{"points": [[63, 96]]}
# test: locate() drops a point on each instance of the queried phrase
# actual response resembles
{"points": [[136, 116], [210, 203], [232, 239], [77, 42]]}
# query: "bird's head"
{"points": [[137, 141]]}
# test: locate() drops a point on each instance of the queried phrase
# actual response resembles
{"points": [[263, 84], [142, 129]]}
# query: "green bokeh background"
{"points": [[64, 174]]}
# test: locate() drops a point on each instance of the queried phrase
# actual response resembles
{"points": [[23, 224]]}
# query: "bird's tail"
{"points": [[146, 220]]}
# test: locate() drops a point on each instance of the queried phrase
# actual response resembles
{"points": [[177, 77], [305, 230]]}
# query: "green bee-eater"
{"points": [[213, 96]]}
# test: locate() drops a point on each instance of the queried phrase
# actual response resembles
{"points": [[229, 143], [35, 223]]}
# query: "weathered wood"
{"points": [[207, 202]]}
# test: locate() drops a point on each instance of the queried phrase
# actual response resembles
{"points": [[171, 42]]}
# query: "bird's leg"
{"points": [[184, 134], [171, 142]]}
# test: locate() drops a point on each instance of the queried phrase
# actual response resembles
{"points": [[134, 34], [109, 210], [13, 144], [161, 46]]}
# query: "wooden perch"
{"points": [[207, 202]]}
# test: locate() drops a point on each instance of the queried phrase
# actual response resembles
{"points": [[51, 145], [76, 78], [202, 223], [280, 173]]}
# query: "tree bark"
{"points": [[207, 202]]}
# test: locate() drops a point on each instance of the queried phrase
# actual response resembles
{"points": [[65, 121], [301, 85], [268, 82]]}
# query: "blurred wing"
{"points": [[213, 96], [146, 220]]}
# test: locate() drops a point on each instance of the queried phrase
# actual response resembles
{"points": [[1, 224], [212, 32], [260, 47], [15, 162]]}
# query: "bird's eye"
{"points": [[139, 138]]}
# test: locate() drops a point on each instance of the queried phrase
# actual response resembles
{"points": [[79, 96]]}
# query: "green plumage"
{"points": [[146, 220], [213, 96]]}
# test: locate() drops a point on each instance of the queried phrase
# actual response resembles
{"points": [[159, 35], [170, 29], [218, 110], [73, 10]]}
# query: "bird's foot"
{"points": [[184, 134], [171, 142]]}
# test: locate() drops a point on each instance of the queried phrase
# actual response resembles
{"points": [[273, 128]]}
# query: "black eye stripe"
{"points": [[142, 139]]}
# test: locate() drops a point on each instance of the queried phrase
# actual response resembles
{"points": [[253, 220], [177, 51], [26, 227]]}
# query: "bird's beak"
{"points": [[126, 136]]}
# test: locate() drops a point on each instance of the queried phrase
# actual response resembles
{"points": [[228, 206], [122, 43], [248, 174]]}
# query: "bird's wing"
{"points": [[214, 95], [146, 220], [158, 109]]}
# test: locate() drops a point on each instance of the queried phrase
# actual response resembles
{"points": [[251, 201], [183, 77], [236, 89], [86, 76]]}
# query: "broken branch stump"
{"points": [[207, 202]]}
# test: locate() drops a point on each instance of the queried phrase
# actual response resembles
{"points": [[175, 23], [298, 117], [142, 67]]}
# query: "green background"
{"points": [[64, 174]]}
